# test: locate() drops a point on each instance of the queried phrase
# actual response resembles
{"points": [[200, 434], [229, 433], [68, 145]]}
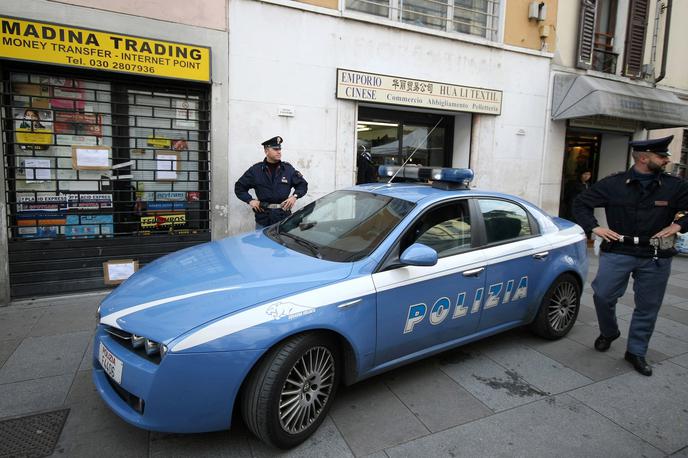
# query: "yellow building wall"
{"points": [[519, 31], [332, 4]]}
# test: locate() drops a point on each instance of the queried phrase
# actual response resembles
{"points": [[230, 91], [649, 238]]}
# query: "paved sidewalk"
{"points": [[510, 395]]}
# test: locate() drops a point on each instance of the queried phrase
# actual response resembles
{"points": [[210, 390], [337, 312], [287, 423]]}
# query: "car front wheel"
{"points": [[289, 393], [559, 308]]}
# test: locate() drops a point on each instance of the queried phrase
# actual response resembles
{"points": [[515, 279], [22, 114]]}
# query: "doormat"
{"points": [[31, 436]]}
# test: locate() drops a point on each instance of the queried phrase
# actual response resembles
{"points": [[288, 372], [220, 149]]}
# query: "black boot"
{"points": [[639, 363]]}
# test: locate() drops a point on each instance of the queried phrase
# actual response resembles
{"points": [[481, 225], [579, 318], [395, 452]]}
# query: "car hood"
{"points": [[186, 289]]}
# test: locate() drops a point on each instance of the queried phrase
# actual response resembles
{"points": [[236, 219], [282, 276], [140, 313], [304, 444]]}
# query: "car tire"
{"points": [[288, 394], [559, 308]]}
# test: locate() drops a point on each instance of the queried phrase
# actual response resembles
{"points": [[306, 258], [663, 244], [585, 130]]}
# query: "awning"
{"points": [[582, 96]]}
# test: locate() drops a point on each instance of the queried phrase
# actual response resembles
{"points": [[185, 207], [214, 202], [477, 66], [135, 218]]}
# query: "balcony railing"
{"points": [[604, 61]]}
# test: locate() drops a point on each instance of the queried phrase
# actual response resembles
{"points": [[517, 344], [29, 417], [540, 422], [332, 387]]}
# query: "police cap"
{"points": [[274, 142], [658, 146]]}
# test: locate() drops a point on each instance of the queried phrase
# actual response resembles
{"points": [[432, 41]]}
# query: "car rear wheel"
{"points": [[289, 393], [559, 308]]}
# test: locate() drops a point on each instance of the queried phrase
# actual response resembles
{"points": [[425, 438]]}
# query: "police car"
{"points": [[358, 282]]}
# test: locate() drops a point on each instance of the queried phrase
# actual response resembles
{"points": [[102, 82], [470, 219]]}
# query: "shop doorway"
{"points": [[389, 137], [581, 154]]}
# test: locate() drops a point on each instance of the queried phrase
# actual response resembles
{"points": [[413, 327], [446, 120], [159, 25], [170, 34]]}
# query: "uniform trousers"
{"points": [[650, 278]]}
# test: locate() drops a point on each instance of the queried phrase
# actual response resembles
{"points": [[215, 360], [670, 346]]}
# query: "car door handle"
{"points": [[541, 255], [473, 272]]}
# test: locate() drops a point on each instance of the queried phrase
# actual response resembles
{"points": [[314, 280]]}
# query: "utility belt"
{"points": [[270, 206], [654, 244], [660, 243]]}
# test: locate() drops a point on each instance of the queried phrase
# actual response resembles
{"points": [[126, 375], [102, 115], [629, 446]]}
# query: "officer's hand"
{"points": [[668, 231], [255, 205], [607, 234], [289, 203]]}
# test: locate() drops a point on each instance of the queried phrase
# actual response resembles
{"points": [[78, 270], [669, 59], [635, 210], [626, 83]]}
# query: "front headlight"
{"points": [[163, 351], [151, 347]]}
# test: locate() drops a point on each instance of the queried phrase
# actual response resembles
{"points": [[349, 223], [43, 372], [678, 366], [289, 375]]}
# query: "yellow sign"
{"points": [[149, 222], [395, 90], [158, 142], [75, 47]]}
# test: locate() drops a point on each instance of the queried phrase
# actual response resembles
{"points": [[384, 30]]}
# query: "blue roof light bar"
{"points": [[448, 176]]}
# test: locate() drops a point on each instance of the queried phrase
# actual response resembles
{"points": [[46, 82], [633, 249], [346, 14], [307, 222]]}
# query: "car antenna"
{"points": [[414, 151]]}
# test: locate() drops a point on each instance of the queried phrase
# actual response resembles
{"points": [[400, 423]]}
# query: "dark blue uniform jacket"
{"points": [[271, 188], [633, 210]]}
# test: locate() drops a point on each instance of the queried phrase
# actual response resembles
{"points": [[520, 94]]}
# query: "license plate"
{"points": [[110, 363]]}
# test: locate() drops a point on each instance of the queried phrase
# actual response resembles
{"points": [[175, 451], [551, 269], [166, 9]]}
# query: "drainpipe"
{"points": [[655, 32], [665, 48]]}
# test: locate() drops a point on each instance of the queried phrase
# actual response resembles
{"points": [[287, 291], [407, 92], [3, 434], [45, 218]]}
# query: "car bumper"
{"points": [[185, 393]]}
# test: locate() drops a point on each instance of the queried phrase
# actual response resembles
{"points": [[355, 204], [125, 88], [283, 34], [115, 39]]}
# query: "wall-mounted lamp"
{"points": [[537, 11]]}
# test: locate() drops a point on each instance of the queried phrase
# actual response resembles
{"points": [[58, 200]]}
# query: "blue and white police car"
{"points": [[354, 284]]}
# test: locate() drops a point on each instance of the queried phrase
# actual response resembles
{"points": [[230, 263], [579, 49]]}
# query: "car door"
{"points": [[419, 307], [516, 255]]}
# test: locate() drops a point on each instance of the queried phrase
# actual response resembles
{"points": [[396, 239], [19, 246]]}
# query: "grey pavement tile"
{"points": [[581, 358], [7, 347], [536, 368], [681, 453], [104, 443], [380, 454], [219, 444], [492, 384], [30, 396], [682, 305], [326, 442], [671, 328], [87, 360], [555, 426], [674, 313], [16, 324], [94, 297], [433, 397], [92, 429], [680, 282], [38, 357], [677, 290], [671, 299], [659, 342], [680, 360], [653, 408], [371, 418], [64, 319], [586, 315], [586, 335]]}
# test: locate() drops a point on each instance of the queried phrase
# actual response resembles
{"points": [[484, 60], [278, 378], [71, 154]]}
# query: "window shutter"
{"points": [[635, 38], [586, 36]]}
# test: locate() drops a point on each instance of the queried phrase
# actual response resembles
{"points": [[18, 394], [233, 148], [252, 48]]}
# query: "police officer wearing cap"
{"points": [[640, 205], [272, 180]]}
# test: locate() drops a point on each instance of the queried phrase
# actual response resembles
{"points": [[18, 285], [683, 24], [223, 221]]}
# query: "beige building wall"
{"points": [[520, 31], [677, 64], [567, 33], [210, 14], [332, 4]]}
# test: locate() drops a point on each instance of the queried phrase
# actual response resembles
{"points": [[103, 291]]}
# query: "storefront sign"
{"points": [[149, 222], [76, 47], [393, 90]]}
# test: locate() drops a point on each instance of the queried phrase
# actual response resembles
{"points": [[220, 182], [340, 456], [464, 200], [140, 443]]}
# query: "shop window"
{"points": [[100, 168], [390, 137], [474, 17], [680, 167]]}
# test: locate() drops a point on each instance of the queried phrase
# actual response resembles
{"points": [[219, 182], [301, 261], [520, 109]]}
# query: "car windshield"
{"points": [[342, 226]]}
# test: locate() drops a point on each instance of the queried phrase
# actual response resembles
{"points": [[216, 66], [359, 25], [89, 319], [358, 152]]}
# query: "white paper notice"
{"points": [[120, 271], [166, 166], [92, 158], [37, 170]]}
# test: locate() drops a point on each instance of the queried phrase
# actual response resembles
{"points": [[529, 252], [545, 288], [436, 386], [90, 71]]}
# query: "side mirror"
{"points": [[418, 255]]}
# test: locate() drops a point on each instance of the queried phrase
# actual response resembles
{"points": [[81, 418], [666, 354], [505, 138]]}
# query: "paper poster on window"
{"points": [[33, 126], [67, 94], [115, 272], [185, 114], [36, 170], [75, 123], [166, 165], [91, 157]]}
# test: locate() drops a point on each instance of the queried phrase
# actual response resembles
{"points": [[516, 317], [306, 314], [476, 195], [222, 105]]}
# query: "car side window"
{"points": [[504, 220], [446, 229]]}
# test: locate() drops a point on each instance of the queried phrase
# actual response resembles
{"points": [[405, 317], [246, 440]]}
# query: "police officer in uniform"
{"points": [[272, 180], [640, 205]]}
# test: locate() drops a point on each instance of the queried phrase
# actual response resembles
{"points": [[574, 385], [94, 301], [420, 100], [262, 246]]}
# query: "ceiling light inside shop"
{"points": [[375, 123]]}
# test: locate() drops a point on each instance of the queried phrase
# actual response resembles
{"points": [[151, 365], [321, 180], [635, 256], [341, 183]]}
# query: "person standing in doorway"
{"points": [[640, 204], [272, 181], [573, 189]]}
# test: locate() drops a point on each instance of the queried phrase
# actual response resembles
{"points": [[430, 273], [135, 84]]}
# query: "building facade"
{"points": [[135, 160]]}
